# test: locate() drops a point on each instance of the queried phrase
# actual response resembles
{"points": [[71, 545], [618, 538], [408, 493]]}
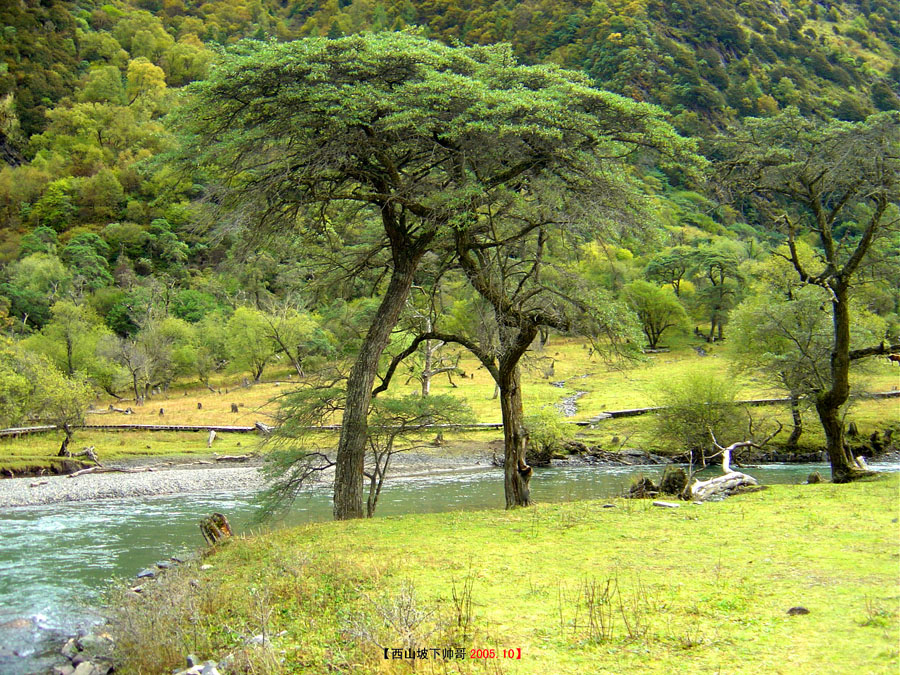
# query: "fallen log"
{"points": [[110, 469], [90, 454], [233, 458], [730, 481]]}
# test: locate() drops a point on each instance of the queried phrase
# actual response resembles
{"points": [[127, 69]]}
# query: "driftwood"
{"points": [[103, 469], [264, 429], [233, 458], [730, 481], [90, 454]]}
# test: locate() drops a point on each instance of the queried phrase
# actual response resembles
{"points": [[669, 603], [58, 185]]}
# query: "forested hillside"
{"points": [[115, 266]]}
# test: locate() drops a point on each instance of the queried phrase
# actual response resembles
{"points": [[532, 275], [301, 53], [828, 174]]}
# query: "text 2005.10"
{"points": [[496, 653]]}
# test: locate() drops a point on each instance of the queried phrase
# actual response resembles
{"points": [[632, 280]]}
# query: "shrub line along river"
{"points": [[56, 559]]}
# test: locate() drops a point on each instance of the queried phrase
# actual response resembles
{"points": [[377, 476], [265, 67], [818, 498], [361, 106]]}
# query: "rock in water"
{"points": [[813, 478]]}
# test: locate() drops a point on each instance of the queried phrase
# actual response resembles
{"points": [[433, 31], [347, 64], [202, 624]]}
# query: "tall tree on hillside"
{"points": [[840, 183], [415, 133]]}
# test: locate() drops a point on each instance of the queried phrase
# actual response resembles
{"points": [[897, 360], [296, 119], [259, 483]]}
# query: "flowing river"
{"points": [[56, 560]]}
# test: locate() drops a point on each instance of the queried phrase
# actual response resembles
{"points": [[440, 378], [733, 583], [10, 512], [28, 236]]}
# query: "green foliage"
{"points": [[694, 405], [658, 309], [33, 390], [248, 343], [546, 431]]}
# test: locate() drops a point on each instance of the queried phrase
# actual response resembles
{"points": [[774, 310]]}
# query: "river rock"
{"points": [[70, 649], [667, 505], [63, 670], [146, 574], [813, 478], [164, 564], [209, 668], [88, 668]]}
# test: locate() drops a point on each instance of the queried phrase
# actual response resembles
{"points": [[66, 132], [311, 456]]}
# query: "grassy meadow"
{"points": [[606, 386], [578, 587]]}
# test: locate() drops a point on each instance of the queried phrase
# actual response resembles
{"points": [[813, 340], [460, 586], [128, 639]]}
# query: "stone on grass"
{"points": [[797, 611]]}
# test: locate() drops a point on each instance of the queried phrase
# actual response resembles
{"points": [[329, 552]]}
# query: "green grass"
{"points": [[36, 451], [697, 589]]}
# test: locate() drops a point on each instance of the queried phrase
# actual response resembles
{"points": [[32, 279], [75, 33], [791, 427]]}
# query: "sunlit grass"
{"points": [[699, 589]]}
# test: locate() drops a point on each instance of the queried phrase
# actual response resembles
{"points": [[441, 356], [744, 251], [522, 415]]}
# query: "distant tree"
{"points": [[658, 309], [210, 343], [546, 433], [192, 305], [33, 390], [168, 347], [297, 335], [128, 354], [41, 239], [717, 267], [249, 344], [670, 267], [838, 182], [70, 337], [86, 255]]}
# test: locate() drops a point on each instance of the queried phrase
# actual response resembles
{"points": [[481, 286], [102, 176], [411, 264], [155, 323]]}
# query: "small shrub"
{"points": [[690, 407], [546, 433]]}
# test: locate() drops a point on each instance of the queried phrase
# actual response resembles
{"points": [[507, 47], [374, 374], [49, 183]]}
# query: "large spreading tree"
{"points": [[418, 135], [837, 183]]}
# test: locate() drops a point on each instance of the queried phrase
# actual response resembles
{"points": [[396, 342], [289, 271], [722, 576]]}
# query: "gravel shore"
{"points": [[186, 478]]}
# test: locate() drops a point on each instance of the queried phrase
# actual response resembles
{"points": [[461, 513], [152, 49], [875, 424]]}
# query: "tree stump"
{"points": [[674, 480], [641, 488], [234, 407], [215, 528]]}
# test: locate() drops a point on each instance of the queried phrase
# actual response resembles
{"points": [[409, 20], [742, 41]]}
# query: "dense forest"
{"points": [[124, 264]]}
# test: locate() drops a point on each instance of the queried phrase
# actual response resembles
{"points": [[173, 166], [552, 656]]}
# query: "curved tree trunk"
{"points": [[828, 403], [351, 452], [517, 473], [798, 423]]}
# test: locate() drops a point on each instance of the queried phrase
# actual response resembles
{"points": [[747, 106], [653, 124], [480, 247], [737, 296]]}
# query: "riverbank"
{"points": [[564, 588], [144, 477]]}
